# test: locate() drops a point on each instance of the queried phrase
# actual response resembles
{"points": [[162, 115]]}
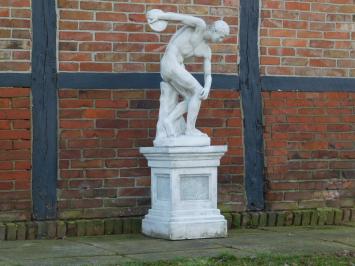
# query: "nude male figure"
{"points": [[190, 40]]}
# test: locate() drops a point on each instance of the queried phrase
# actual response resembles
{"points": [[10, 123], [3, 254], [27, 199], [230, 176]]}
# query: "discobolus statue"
{"points": [[183, 162], [190, 40]]}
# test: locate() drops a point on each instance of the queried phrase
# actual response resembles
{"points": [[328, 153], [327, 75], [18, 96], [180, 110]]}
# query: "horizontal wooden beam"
{"points": [[15, 79], [132, 81], [309, 84]]}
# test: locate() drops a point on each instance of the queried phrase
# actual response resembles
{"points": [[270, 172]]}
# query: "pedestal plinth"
{"points": [[184, 193]]}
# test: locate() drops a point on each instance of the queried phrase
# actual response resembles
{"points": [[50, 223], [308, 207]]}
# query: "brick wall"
{"points": [[102, 173], [15, 36], [113, 36], [308, 38], [15, 154], [310, 149]]}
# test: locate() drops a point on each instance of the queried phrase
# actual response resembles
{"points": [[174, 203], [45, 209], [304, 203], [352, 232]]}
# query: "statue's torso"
{"points": [[185, 43]]}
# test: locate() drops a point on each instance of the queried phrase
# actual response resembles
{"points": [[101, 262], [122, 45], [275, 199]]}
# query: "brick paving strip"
{"points": [[102, 250]]}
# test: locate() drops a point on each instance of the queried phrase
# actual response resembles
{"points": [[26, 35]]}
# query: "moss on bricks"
{"points": [[72, 228], [346, 215], [51, 229], [2, 231], [254, 219], [109, 226], [21, 231], [11, 230], [288, 218], [246, 219], [297, 218], [236, 220], [338, 215], [42, 230], [314, 218], [280, 219], [263, 219], [271, 218], [136, 225], [306, 218], [81, 228], [61, 229], [330, 217], [229, 218], [95, 227], [322, 217], [31, 228], [127, 226], [352, 219], [117, 226]]}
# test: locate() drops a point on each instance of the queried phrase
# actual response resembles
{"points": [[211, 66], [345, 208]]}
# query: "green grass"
{"points": [[260, 260]]}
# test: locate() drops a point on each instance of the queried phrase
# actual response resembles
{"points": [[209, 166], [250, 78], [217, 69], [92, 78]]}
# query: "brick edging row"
{"points": [[313, 217], [65, 228]]}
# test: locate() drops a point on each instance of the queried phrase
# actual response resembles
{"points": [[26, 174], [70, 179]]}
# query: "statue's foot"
{"points": [[169, 128], [195, 132]]}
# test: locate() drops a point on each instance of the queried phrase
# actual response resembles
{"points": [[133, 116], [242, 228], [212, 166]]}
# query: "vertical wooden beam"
{"points": [[250, 85], [44, 110]]}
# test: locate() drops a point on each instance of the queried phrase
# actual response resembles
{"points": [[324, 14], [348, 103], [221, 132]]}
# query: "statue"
{"points": [[190, 40]]}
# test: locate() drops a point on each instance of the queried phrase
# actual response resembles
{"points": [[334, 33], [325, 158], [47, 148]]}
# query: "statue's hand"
{"points": [[204, 93], [154, 15]]}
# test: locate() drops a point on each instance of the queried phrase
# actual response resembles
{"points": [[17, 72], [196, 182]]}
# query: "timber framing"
{"points": [[45, 81], [44, 111], [250, 86], [132, 81]]}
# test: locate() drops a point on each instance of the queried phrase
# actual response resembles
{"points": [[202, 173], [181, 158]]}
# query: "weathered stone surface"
{"points": [[180, 210]]}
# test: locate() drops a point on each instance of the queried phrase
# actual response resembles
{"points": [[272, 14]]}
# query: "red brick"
{"points": [[74, 124], [6, 185], [76, 36], [297, 6], [86, 164], [75, 103], [107, 16], [89, 5], [116, 37], [111, 123], [76, 15], [101, 173], [134, 8], [94, 94], [99, 153]]}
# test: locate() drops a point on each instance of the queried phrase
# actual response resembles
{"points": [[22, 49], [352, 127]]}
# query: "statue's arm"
{"points": [[185, 19], [208, 76]]}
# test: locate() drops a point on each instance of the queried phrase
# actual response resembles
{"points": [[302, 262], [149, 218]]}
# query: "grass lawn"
{"points": [[230, 260]]}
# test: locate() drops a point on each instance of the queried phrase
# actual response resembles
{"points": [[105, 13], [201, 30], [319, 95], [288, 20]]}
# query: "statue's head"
{"points": [[218, 31]]}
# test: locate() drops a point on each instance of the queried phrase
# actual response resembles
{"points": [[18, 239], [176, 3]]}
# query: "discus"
{"points": [[159, 25]]}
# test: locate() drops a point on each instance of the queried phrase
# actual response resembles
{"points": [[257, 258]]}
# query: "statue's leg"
{"points": [[171, 121], [168, 100], [190, 88], [168, 103]]}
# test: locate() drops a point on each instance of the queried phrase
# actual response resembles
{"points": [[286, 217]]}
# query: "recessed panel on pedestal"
{"points": [[194, 187]]}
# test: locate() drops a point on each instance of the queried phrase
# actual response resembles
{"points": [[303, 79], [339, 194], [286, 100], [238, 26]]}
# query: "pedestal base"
{"points": [[184, 193], [190, 227]]}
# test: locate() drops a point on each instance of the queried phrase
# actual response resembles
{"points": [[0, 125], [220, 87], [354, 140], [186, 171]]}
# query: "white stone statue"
{"points": [[190, 40]]}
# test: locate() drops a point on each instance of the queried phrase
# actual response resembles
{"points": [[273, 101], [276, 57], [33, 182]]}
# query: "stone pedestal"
{"points": [[184, 193]]}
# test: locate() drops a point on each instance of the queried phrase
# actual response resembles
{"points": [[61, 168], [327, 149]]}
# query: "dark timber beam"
{"points": [[132, 81], [250, 86], [44, 111], [15, 79], [310, 84]]}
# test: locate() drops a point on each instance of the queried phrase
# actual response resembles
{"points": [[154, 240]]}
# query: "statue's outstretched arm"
{"points": [[185, 19]]}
